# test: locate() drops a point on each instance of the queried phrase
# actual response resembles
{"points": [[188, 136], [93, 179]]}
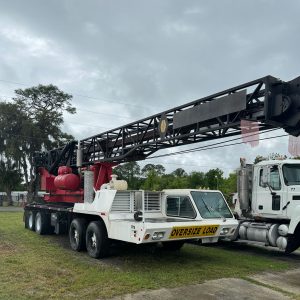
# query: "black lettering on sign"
{"points": [[210, 230], [193, 231], [174, 232]]}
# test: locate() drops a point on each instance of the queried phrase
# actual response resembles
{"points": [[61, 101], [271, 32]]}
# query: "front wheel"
{"points": [[97, 241]]}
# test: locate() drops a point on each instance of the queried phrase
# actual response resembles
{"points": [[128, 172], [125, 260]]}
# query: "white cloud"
{"points": [[32, 45]]}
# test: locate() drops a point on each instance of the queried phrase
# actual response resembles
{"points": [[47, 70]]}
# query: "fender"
{"points": [[295, 220]]}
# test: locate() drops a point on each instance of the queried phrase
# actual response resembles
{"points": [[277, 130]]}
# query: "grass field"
{"points": [[42, 267]]}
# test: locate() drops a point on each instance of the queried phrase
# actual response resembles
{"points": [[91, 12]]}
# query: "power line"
{"points": [[96, 112], [85, 110], [109, 101], [80, 95], [214, 147], [99, 113], [224, 142], [188, 165]]}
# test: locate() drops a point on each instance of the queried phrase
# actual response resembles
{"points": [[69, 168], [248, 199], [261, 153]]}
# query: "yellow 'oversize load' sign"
{"points": [[193, 231]]}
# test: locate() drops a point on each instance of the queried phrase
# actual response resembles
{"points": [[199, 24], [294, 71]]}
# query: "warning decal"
{"points": [[193, 231]]}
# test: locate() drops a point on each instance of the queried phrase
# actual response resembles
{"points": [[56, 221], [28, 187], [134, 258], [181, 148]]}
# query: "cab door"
{"points": [[270, 197]]}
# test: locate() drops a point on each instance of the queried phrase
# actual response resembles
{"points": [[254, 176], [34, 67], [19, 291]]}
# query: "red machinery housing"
{"points": [[66, 187], [66, 180]]}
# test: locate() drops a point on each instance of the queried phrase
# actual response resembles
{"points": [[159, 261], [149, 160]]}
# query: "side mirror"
{"points": [[265, 179]]}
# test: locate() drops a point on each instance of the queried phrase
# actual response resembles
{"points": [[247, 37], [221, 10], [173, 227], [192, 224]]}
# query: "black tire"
{"points": [[42, 223], [31, 220], [25, 219], [173, 246], [97, 241], [77, 234]]}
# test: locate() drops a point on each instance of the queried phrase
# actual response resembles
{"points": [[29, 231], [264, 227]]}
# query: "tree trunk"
{"points": [[27, 182], [9, 197], [30, 191]]}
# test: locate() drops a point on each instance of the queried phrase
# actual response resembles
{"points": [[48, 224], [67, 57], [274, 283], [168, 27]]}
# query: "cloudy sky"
{"points": [[124, 60]]}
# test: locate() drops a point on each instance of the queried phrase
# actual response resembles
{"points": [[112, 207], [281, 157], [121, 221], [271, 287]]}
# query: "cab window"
{"points": [[275, 182], [180, 206], [275, 178]]}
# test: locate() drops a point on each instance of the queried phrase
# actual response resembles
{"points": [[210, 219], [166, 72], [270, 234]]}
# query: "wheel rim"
{"points": [[76, 236], [94, 240], [38, 223], [30, 221]]}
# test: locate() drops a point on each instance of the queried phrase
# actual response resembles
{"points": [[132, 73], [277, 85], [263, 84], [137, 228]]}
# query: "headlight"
{"points": [[158, 235], [224, 231]]}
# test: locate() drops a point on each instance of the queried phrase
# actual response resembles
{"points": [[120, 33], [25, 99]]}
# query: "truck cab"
{"points": [[276, 189], [268, 203], [170, 215]]}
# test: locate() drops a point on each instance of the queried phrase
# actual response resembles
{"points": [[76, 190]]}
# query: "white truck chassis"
{"points": [[139, 217]]}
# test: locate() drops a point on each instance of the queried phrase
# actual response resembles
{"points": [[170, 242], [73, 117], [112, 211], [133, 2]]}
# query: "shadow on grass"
{"points": [[125, 256], [257, 249]]}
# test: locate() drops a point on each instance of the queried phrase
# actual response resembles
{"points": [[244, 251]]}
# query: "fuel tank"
{"points": [[66, 180]]}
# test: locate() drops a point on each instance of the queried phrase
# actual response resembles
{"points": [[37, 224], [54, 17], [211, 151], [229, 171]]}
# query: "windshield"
{"points": [[291, 174], [211, 205]]}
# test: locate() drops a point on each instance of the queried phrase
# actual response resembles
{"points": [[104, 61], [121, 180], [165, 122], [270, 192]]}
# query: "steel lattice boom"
{"points": [[270, 101]]}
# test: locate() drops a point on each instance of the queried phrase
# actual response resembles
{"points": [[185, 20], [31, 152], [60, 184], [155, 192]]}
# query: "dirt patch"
{"points": [[7, 248]]}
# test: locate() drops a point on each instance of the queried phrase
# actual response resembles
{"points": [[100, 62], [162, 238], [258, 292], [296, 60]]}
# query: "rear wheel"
{"points": [[77, 234], [97, 241], [31, 220], [173, 246], [42, 223], [25, 218]]}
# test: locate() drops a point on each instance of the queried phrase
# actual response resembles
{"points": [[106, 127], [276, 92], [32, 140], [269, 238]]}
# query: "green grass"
{"points": [[42, 267]]}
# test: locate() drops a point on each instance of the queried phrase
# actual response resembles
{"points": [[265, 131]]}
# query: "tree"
{"points": [[214, 178], [229, 185], [179, 172], [32, 123], [10, 178], [196, 180], [157, 169], [130, 172], [152, 182]]}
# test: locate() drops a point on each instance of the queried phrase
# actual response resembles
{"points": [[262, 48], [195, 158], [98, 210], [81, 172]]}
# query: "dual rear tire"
{"points": [[30, 220], [92, 237], [37, 221]]}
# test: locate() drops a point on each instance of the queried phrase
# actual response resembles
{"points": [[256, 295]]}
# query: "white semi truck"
{"points": [[268, 203]]}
